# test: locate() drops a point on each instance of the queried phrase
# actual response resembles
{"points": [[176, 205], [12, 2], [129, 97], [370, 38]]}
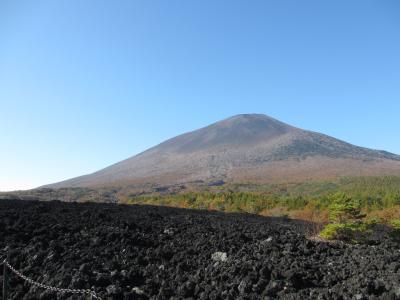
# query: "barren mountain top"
{"points": [[239, 130]]}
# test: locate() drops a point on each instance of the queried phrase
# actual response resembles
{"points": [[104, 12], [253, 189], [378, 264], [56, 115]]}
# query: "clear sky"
{"points": [[84, 84]]}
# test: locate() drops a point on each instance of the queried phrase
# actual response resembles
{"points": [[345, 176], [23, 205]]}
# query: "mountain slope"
{"points": [[249, 147]]}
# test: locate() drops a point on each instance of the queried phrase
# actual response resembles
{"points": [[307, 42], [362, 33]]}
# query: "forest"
{"points": [[345, 207]]}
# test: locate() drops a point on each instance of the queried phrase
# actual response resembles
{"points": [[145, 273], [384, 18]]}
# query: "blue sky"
{"points": [[84, 84]]}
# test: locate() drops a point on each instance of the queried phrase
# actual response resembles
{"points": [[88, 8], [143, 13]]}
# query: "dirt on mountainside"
{"points": [[144, 252]]}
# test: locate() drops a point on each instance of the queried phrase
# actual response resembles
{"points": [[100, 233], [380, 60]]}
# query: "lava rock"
{"points": [[147, 252]]}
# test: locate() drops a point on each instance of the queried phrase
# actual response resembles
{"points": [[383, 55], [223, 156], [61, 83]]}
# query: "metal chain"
{"points": [[3, 257], [48, 287]]}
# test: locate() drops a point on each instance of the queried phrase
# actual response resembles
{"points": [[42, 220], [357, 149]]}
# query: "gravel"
{"points": [[145, 252]]}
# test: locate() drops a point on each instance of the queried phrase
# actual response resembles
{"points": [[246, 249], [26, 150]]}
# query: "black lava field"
{"points": [[145, 252]]}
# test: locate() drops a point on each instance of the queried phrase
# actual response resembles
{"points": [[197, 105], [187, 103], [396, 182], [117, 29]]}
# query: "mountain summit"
{"points": [[240, 130], [244, 148]]}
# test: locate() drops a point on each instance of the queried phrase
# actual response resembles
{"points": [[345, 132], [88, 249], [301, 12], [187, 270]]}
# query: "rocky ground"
{"points": [[143, 252]]}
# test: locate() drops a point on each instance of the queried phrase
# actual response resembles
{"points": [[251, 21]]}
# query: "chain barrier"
{"points": [[48, 287]]}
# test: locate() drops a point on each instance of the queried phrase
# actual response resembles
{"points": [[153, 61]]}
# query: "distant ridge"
{"points": [[243, 148]]}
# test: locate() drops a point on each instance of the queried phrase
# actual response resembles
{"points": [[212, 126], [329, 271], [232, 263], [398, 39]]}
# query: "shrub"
{"points": [[191, 200], [344, 209], [332, 231], [395, 226], [372, 221], [350, 232]]}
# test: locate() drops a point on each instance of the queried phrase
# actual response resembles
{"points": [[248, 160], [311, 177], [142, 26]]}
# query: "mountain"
{"points": [[244, 148]]}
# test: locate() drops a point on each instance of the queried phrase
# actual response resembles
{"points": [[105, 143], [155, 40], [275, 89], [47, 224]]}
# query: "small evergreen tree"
{"points": [[344, 209]]}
